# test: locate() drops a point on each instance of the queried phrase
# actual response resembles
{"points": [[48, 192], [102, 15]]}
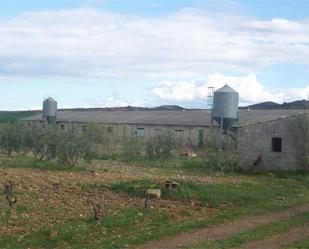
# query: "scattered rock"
{"points": [[171, 185], [54, 234], [153, 193]]}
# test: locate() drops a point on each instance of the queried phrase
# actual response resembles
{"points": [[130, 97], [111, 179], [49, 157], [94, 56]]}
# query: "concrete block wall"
{"points": [[190, 134], [256, 140]]}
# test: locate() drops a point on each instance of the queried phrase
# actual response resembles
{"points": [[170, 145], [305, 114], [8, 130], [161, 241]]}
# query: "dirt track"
{"points": [[278, 241], [219, 232]]}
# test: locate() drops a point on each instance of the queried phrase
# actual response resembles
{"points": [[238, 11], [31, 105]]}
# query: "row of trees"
{"points": [[159, 147], [71, 145], [218, 152], [66, 146]]}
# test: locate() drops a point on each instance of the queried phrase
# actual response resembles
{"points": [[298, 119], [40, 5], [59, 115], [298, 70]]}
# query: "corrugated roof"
{"points": [[187, 117]]}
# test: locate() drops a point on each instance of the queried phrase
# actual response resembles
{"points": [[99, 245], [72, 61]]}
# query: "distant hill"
{"points": [[11, 116], [130, 108], [295, 105], [168, 108]]}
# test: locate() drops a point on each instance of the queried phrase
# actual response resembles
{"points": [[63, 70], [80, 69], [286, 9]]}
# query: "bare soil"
{"points": [[221, 231], [54, 197], [51, 197], [164, 174]]}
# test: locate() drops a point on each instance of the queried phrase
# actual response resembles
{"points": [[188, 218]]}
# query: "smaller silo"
{"points": [[225, 107], [50, 110]]}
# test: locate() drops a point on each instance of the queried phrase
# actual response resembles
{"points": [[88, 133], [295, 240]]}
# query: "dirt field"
{"points": [[54, 209], [53, 197]]}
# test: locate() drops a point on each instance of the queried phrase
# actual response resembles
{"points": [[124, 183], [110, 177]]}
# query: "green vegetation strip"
{"points": [[268, 194], [303, 244], [27, 162], [257, 233], [11, 116], [265, 192], [114, 231]]}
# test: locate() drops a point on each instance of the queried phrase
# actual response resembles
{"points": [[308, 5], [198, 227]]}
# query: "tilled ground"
{"points": [[49, 198]]}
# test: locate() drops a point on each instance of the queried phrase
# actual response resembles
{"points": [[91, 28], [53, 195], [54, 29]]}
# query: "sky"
{"points": [[105, 53]]}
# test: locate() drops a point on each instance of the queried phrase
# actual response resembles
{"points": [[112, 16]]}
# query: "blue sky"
{"points": [[95, 53]]}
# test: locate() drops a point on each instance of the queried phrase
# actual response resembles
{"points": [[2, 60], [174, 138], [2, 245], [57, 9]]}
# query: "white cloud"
{"points": [[113, 100], [249, 88], [92, 43], [299, 93]]}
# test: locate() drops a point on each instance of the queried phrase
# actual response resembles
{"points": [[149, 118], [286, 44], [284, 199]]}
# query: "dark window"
{"points": [[158, 132], [200, 138], [62, 126], [140, 132], [110, 130], [276, 144], [179, 134], [83, 128]]}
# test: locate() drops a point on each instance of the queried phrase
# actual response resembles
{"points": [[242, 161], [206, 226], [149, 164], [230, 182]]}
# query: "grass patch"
{"points": [[133, 188], [24, 161], [265, 192], [94, 186], [11, 116], [112, 232], [130, 217], [257, 233], [105, 157], [22, 208], [303, 244]]}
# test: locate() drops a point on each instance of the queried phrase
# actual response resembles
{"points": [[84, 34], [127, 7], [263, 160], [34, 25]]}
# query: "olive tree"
{"points": [[48, 143], [161, 146], [132, 147], [12, 138], [70, 146], [220, 152]]}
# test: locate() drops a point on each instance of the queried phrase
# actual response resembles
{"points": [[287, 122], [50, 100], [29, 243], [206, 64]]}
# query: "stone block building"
{"points": [[270, 145], [263, 137]]}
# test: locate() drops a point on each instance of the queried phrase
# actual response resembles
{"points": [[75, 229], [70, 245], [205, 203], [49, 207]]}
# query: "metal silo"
{"points": [[225, 107], [50, 109]]}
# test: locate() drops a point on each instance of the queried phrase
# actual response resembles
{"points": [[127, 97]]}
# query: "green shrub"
{"points": [[132, 147], [11, 138], [48, 143], [133, 188], [220, 153], [160, 146]]}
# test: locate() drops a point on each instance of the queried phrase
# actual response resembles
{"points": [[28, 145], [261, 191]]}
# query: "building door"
{"points": [[124, 132], [200, 138]]}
